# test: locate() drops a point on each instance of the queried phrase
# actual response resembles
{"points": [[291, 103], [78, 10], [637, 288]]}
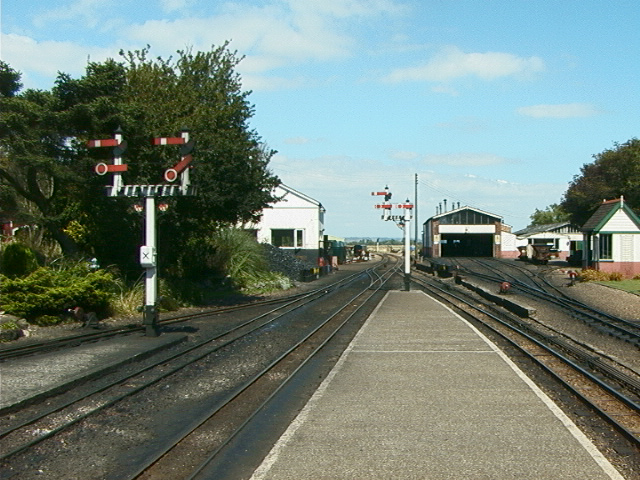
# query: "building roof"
{"points": [[605, 211], [292, 191], [461, 209], [547, 228]]}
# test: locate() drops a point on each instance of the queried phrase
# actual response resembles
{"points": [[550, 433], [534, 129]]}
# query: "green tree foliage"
{"points": [[9, 80], [17, 260], [200, 91], [614, 172], [37, 175], [46, 168], [552, 214]]}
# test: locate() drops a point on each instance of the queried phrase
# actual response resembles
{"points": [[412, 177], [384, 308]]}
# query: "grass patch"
{"points": [[631, 286]]}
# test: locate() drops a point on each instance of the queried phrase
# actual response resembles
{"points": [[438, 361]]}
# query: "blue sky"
{"points": [[494, 104]]}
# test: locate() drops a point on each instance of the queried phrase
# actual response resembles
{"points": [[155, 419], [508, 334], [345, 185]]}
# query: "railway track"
{"points": [[31, 348], [284, 368], [606, 389], [539, 288], [46, 426]]}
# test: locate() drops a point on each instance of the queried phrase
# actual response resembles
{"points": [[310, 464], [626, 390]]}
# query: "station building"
{"points": [[563, 238], [468, 232], [294, 223], [612, 239]]}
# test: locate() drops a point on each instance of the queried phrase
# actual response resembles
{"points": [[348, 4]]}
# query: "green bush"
{"points": [[17, 260], [47, 293], [242, 261]]}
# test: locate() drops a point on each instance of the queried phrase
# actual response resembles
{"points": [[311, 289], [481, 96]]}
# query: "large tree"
{"points": [[202, 92], [35, 159], [613, 173], [45, 159]]}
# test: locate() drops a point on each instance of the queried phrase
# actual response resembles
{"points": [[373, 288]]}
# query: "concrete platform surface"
{"points": [[421, 394], [42, 374]]}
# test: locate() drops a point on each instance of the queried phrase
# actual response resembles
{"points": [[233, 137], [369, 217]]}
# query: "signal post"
{"points": [[403, 221], [148, 252]]}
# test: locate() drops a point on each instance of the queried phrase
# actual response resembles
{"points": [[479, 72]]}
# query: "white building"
{"points": [[612, 239], [563, 238], [295, 222]]}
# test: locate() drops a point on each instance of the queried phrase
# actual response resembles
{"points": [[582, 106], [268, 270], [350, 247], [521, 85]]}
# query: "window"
{"points": [[604, 246], [291, 238]]}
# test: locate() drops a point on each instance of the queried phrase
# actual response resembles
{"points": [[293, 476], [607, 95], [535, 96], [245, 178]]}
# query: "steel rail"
{"points": [[236, 393], [74, 340], [623, 329], [630, 435], [301, 301]]}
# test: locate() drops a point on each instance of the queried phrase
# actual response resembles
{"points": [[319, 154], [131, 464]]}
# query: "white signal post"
{"points": [[148, 252], [407, 242], [404, 221]]}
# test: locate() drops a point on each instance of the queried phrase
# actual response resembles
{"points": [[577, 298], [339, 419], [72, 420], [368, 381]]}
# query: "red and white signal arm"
{"points": [[171, 174], [169, 141], [404, 205], [102, 168], [386, 206]]}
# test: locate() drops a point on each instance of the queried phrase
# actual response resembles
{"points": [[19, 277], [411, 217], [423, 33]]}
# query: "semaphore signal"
{"points": [[148, 253], [403, 221]]}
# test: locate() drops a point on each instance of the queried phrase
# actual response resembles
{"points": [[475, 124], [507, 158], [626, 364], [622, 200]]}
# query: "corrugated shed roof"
{"points": [[466, 207], [548, 227]]}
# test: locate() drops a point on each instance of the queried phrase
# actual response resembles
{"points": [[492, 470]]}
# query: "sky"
{"points": [[494, 104]]}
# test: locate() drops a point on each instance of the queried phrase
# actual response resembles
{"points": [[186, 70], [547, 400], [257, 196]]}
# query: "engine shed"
{"points": [[466, 232]]}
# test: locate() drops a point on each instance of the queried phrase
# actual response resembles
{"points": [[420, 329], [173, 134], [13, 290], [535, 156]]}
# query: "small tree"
{"points": [[554, 213]]}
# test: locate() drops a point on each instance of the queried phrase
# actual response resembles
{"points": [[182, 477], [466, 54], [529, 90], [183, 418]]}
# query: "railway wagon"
{"points": [[539, 254], [360, 252], [334, 248]]}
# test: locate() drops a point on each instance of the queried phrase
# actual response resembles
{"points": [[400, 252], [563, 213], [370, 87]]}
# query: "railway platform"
{"points": [[421, 394]]}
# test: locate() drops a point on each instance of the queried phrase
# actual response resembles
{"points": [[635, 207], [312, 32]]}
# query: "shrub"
{"points": [[127, 298], [18, 260], [591, 275], [615, 276], [240, 259], [49, 293]]}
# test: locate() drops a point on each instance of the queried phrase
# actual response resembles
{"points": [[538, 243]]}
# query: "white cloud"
{"points": [[85, 10], [297, 141], [295, 30], [347, 8], [566, 110], [452, 63], [465, 159], [48, 57]]}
